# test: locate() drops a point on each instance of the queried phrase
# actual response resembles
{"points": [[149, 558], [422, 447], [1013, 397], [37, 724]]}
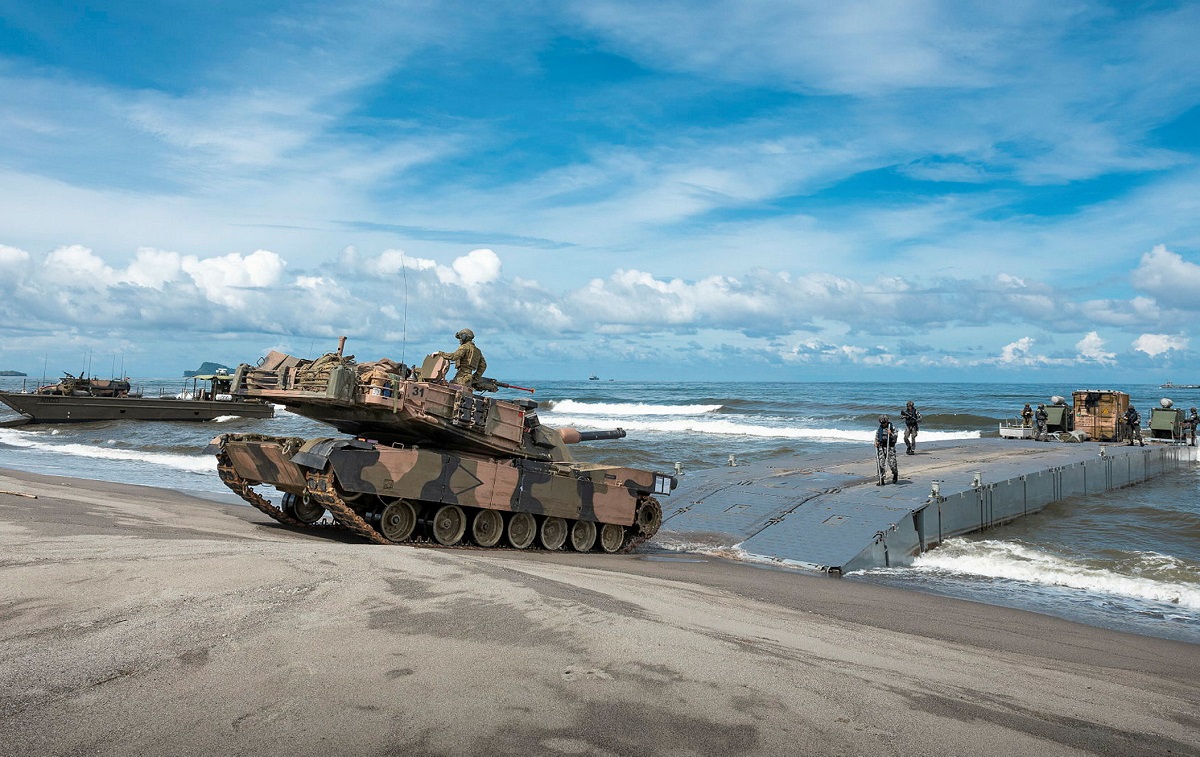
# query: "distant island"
{"points": [[12, 373], [205, 369]]}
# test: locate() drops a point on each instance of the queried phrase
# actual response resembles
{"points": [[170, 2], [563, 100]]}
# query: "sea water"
{"points": [[1128, 559]]}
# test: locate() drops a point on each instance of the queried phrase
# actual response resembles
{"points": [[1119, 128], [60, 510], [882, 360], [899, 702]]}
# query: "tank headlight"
{"points": [[663, 484]]}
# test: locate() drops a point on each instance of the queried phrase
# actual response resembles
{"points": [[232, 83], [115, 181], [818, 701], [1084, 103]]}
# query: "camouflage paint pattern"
{"points": [[573, 491]]}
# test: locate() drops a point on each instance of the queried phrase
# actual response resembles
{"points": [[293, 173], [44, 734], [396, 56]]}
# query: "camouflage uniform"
{"points": [[468, 360], [885, 451], [1027, 416], [1040, 418], [1133, 426], [1193, 420], [912, 417]]}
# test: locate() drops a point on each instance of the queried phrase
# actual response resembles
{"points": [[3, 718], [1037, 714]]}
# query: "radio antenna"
{"points": [[404, 320]]}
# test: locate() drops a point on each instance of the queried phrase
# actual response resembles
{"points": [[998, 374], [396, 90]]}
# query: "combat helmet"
{"points": [[883, 419], [464, 335]]}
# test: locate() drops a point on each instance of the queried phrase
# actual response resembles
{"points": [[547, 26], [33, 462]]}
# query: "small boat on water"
{"points": [[76, 399], [1169, 385]]}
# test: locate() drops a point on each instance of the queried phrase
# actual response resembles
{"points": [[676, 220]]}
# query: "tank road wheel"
{"points": [[522, 529], [303, 508], [649, 517], [449, 525], [553, 533], [398, 520], [612, 537], [487, 527], [583, 535]]}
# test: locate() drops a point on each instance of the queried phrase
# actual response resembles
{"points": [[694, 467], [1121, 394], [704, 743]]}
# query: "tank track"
{"points": [[322, 489], [245, 490]]}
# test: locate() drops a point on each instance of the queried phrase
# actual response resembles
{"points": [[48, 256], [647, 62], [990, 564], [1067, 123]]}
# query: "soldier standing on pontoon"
{"points": [[912, 417], [467, 359], [1193, 420], [1039, 419], [885, 450], [1133, 426], [1027, 416]]}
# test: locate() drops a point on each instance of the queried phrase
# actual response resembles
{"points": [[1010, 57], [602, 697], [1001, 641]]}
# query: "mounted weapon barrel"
{"points": [[573, 436]]}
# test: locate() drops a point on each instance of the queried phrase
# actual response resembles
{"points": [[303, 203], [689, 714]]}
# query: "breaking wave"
{"points": [[1141, 575], [625, 408], [738, 428], [189, 463]]}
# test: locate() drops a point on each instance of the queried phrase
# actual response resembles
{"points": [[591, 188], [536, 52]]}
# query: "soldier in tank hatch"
{"points": [[1133, 426], [1039, 420], [885, 450], [912, 420], [468, 360]]}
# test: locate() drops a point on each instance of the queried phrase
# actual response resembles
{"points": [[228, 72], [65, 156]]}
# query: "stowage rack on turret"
{"points": [[431, 461]]}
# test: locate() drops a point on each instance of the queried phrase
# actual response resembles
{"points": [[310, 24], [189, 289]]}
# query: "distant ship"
{"points": [[593, 377], [76, 399], [1169, 385]]}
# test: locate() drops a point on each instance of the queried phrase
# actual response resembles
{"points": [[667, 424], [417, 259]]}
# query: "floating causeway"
{"points": [[824, 511]]}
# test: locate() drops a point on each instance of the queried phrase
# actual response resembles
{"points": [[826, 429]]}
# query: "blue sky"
{"points": [[677, 190]]}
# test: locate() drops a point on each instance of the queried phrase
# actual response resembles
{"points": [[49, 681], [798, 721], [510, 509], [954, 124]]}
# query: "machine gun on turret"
{"points": [[486, 384]]}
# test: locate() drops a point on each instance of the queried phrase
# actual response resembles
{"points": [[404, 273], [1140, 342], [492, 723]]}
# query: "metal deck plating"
{"points": [[824, 512]]}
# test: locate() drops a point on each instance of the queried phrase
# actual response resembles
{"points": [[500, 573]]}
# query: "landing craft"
{"points": [[79, 399], [427, 460]]}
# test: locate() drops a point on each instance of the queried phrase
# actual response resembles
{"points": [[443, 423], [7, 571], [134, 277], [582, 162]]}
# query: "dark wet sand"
{"points": [[142, 621]]}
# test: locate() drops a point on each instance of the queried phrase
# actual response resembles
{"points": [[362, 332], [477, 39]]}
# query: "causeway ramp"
{"points": [[824, 512]]}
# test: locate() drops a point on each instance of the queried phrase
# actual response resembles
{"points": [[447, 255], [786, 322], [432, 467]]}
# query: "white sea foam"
{"points": [[190, 463], [625, 408], [1018, 562], [734, 552], [741, 428]]}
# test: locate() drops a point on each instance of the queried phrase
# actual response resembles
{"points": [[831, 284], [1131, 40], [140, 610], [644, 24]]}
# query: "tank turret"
{"points": [[431, 460]]}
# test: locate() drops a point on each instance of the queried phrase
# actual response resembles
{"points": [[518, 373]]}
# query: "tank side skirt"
{"points": [[506, 485]]}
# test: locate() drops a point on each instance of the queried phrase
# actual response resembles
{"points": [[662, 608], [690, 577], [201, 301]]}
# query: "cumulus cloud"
{"points": [[472, 270], [14, 266], [77, 266], [1091, 347], [1020, 353], [1156, 344], [1169, 278], [392, 262], [225, 279], [778, 317]]}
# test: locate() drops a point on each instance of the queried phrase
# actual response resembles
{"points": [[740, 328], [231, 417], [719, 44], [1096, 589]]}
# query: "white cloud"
{"points": [[1020, 353], [1091, 347], [475, 268], [225, 279], [76, 265], [14, 266], [392, 262], [1172, 280], [153, 268], [1156, 344]]}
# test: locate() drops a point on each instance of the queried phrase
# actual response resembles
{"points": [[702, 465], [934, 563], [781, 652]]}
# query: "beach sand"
{"points": [[142, 621]]}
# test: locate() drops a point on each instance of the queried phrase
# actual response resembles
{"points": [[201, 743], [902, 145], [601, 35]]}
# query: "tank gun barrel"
{"points": [[573, 436]]}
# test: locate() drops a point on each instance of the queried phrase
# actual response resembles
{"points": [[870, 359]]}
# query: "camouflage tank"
{"points": [[427, 461]]}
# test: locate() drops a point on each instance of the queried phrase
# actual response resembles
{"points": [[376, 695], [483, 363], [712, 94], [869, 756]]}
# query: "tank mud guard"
{"points": [[316, 454]]}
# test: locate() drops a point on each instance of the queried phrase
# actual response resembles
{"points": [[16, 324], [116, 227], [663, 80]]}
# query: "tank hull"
{"points": [[357, 481]]}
